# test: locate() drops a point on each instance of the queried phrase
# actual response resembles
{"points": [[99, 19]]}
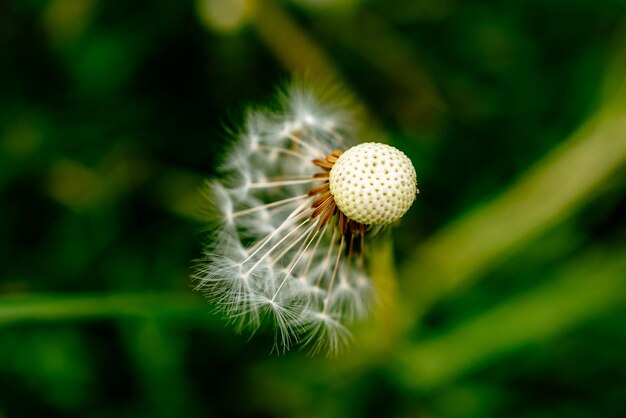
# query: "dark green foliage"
{"points": [[112, 113]]}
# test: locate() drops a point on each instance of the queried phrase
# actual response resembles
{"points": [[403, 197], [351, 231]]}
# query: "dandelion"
{"points": [[292, 214]]}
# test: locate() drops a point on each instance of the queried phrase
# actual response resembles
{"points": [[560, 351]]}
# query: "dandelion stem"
{"points": [[332, 279]]}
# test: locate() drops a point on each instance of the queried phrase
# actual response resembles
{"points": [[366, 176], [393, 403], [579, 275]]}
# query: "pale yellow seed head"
{"points": [[373, 184]]}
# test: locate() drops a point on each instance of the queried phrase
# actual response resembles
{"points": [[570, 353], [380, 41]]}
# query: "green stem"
{"points": [[553, 190], [589, 287], [55, 307]]}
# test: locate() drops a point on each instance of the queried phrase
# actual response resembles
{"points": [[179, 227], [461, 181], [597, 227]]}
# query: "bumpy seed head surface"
{"points": [[373, 184]]}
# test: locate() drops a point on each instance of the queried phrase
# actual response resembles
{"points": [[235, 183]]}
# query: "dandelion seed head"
{"points": [[373, 184], [293, 212]]}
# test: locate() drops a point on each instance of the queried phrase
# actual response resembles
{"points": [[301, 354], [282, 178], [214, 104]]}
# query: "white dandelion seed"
{"points": [[291, 216]]}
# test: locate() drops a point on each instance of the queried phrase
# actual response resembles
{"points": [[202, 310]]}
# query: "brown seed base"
{"points": [[324, 206]]}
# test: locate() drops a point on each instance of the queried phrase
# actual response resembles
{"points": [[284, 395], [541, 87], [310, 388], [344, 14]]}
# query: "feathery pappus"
{"points": [[291, 215]]}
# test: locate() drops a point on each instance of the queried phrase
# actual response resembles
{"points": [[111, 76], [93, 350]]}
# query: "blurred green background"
{"points": [[503, 291]]}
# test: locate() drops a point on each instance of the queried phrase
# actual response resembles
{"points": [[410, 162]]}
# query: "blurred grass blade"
{"points": [[589, 287], [549, 193], [297, 51], [16, 309]]}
